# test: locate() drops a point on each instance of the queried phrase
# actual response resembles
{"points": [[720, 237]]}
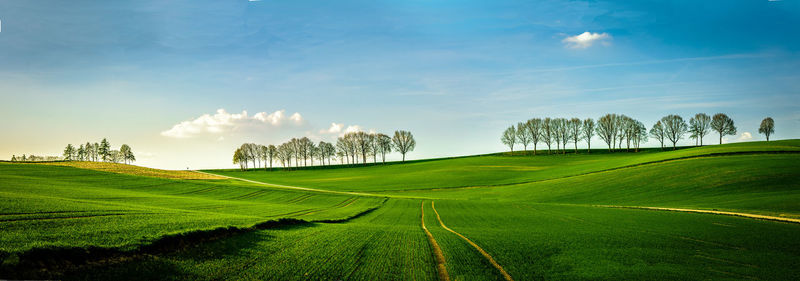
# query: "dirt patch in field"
{"points": [[134, 170]]}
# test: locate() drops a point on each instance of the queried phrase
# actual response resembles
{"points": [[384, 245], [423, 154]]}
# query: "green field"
{"points": [[537, 217]]}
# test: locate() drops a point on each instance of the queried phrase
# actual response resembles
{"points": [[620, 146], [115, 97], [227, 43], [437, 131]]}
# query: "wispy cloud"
{"points": [[222, 122], [586, 40]]}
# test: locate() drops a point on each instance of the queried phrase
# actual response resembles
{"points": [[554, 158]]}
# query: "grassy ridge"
{"points": [[762, 184], [486, 170], [55, 206]]}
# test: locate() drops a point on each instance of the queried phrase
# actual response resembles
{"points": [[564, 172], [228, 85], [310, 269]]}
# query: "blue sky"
{"points": [[455, 73]]}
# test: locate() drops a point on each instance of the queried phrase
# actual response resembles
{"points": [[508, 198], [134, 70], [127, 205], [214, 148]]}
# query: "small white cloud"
{"points": [[352, 129], [296, 118], [273, 118], [334, 129], [222, 122], [586, 40], [745, 136]]}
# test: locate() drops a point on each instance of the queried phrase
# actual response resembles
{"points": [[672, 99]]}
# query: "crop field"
{"points": [[491, 217]]}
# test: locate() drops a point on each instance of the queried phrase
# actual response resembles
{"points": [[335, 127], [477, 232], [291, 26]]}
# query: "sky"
{"points": [[186, 82]]}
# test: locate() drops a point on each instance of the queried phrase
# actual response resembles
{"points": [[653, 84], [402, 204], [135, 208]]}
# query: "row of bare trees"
{"points": [[351, 148], [617, 129], [612, 128]]}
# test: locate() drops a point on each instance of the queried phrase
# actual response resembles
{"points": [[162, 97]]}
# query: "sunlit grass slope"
{"points": [[489, 170], [386, 244], [134, 170], [757, 183], [57, 206], [573, 242]]}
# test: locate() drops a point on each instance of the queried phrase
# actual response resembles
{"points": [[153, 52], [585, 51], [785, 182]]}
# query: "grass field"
{"points": [[542, 217]]}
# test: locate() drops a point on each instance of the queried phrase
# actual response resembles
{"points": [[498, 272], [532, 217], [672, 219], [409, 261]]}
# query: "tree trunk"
{"points": [[720, 138], [404, 157], [534, 149]]}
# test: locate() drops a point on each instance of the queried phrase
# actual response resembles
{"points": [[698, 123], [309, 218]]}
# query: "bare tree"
{"points": [[344, 151], [674, 128], [384, 145], [534, 131], [607, 129], [560, 128], [588, 133], [285, 153], [555, 125], [565, 133], [271, 152], [574, 125], [657, 132], [362, 141], [767, 127], [723, 125], [326, 150], [509, 138], [548, 132], [623, 130], [699, 126], [127, 154], [639, 135], [239, 158], [374, 147], [523, 136], [403, 142]]}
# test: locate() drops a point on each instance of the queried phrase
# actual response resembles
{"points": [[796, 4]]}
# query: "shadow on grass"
{"points": [[53, 262], [181, 265]]}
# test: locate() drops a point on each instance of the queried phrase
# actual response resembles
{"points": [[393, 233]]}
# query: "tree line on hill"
{"points": [[87, 152], [99, 152], [34, 158], [351, 148], [618, 129]]}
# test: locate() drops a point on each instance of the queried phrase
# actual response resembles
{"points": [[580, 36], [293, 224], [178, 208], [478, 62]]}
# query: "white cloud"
{"points": [[353, 128], [222, 122], [746, 136], [586, 40], [334, 129]]}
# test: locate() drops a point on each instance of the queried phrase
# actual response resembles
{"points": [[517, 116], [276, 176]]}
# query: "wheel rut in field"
{"points": [[735, 214], [484, 253], [437, 251]]}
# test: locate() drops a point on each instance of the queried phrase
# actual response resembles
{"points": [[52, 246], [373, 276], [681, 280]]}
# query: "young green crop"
{"points": [[45, 206], [486, 170], [537, 217]]}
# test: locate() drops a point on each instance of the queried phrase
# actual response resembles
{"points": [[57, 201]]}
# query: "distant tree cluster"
{"points": [[351, 148], [99, 152], [612, 128], [616, 130], [33, 158]]}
